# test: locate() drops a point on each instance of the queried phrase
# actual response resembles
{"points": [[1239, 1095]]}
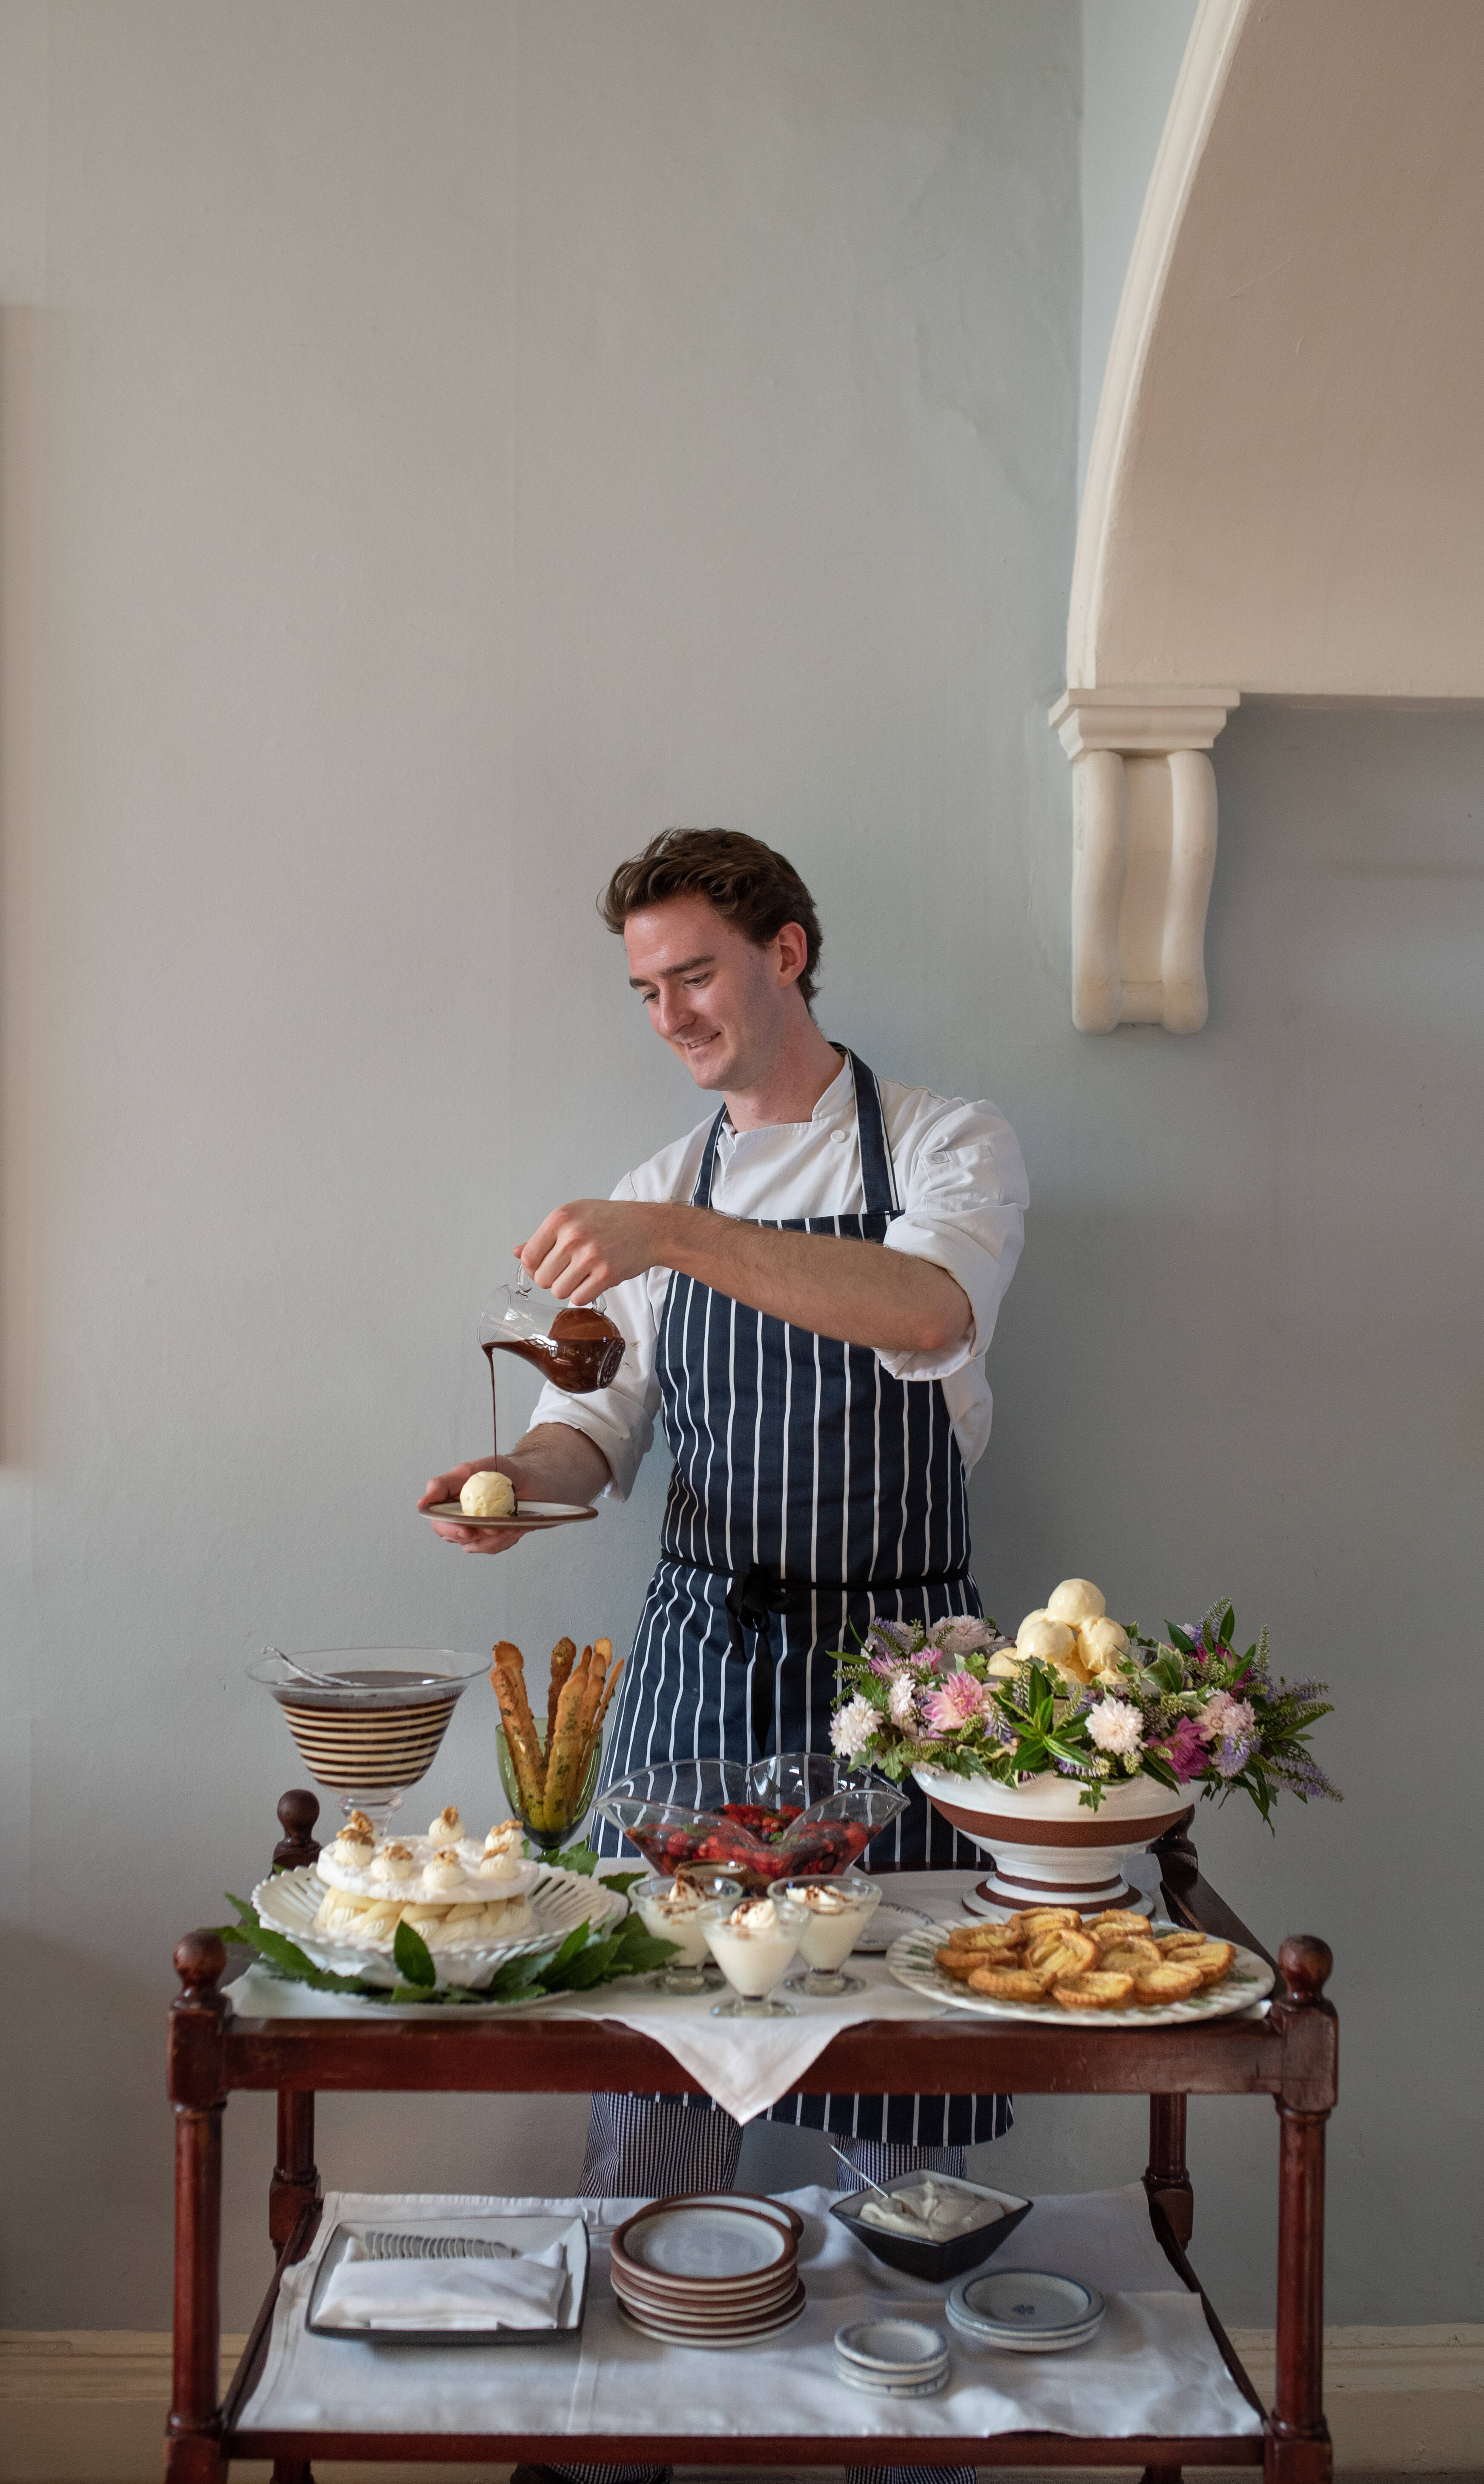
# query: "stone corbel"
{"points": [[1144, 809]]}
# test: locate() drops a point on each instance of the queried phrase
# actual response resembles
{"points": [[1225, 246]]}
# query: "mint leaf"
{"points": [[413, 1958]]}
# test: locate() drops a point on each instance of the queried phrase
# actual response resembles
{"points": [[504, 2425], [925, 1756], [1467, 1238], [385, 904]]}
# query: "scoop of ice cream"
{"points": [[1003, 1665], [445, 1872], [1042, 1640], [1076, 1601], [753, 1915], [488, 1495], [393, 1863], [1101, 1644]]}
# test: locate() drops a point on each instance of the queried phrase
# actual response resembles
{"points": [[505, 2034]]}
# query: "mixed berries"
{"points": [[757, 1844]]}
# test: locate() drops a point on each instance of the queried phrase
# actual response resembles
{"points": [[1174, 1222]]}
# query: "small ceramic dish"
{"points": [[891, 2350], [1026, 2310], [937, 2262]]}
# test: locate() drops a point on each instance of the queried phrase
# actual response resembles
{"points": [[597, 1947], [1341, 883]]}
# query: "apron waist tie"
{"points": [[754, 1593]]}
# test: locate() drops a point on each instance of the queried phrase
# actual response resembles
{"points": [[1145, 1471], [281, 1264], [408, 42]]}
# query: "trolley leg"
{"points": [[1167, 2178], [193, 2446], [295, 2185], [1298, 2438]]}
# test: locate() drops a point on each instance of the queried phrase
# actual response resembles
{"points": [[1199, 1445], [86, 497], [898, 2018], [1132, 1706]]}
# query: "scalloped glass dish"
{"points": [[797, 1816], [559, 1903]]}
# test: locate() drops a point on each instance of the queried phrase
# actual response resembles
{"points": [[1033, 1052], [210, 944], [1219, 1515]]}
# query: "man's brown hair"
{"points": [[746, 882]]}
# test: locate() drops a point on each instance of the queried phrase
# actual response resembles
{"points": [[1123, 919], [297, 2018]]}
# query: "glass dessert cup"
{"points": [[752, 1957], [796, 1816], [374, 1725], [652, 1899], [828, 1930], [554, 1828]]}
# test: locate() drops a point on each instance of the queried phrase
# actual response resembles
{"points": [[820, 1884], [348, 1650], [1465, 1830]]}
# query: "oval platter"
{"points": [[910, 1962]]}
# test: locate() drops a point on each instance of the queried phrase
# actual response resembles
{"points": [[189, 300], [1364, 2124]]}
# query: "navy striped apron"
{"points": [[811, 1492]]}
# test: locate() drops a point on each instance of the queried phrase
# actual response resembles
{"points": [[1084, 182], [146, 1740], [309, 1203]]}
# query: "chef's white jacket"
{"points": [[963, 1192]]}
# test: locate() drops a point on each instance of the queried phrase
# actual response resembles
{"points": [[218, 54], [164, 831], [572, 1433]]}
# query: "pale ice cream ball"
{"points": [[488, 1495], [1076, 1601], [1102, 1644], [1003, 1666], [1044, 1641]]}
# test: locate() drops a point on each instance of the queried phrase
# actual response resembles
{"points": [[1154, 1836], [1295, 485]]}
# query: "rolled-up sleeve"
{"points": [[965, 1195], [619, 1420]]}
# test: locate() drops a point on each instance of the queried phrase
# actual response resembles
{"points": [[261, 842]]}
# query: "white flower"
{"points": [[899, 1703], [853, 1727], [964, 1638], [1224, 1718], [1115, 1725]]}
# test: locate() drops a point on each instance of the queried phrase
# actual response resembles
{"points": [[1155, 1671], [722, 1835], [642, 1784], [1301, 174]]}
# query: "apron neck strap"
{"points": [[877, 1172]]}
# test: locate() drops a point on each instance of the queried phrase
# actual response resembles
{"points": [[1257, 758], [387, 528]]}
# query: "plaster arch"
{"points": [[1284, 492]]}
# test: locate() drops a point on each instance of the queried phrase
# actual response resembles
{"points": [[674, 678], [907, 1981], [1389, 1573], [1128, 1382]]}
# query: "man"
{"points": [[809, 1281]]}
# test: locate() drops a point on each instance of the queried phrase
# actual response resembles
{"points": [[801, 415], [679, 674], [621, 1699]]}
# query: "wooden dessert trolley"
{"points": [[1289, 2055]]}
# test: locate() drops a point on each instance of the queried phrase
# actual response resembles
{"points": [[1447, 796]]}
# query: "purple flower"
{"points": [[961, 1701], [1234, 1754], [1185, 1749]]}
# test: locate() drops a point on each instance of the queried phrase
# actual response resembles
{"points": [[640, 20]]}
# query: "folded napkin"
{"points": [[522, 2292]]}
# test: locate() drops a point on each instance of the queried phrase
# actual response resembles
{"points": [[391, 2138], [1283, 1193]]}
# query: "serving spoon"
{"points": [[893, 2198], [322, 1681]]}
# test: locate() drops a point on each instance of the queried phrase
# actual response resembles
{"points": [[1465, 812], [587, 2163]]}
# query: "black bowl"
{"points": [[938, 2262]]}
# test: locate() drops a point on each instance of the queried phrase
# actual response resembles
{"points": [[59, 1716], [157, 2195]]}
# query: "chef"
{"points": [[807, 1283]]}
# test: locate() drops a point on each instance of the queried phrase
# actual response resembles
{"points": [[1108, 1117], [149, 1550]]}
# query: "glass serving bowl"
{"points": [[557, 1827], [797, 1816], [374, 1725]]}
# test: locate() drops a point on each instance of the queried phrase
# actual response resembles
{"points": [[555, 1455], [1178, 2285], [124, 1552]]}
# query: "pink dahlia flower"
{"points": [[1186, 1750], [961, 1701]]}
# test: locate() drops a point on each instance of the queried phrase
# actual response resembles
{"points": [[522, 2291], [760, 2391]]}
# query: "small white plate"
{"points": [[855, 2379], [527, 1515], [896, 2350], [706, 2242], [658, 2327], [1026, 2310], [886, 1925]]}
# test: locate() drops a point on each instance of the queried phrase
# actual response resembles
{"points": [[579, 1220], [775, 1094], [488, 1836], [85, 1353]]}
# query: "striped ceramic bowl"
{"points": [[376, 1728]]}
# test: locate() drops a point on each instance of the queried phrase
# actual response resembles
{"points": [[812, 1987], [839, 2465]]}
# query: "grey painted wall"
{"points": [[1131, 55], [475, 435]]}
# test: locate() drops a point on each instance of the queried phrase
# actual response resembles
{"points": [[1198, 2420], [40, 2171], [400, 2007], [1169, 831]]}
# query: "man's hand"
{"points": [[555, 1462], [888, 1300], [447, 1487], [581, 1250]]}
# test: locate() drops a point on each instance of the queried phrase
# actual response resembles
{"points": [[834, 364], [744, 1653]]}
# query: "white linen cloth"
{"points": [[523, 2292], [746, 2064], [1153, 2368], [963, 1190]]}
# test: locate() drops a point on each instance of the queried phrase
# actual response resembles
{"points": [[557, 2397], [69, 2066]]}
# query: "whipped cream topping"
{"points": [[753, 1917], [395, 1862], [353, 1850], [447, 1828], [445, 1872], [931, 2209], [681, 1899], [824, 1899]]}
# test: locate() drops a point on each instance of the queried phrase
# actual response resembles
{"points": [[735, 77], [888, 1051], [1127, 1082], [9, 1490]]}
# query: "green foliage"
{"points": [[583, 1960]]}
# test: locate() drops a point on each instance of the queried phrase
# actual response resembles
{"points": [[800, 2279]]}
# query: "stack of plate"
{"points": [[1025, 2310], [892, 2359], [712, 2271]]}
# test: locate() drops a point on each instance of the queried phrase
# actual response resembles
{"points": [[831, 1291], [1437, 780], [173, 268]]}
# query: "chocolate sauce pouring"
{"points": [[579, 1352]]}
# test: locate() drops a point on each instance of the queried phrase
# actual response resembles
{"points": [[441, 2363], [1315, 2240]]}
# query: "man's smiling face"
{"points": [[721, 1004]]}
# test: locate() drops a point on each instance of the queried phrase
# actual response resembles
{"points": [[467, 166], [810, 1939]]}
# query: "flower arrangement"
{"points": [[1078, 1693]]}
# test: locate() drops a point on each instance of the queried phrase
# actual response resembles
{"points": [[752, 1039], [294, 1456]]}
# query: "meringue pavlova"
{"points": [[454, 1890]]}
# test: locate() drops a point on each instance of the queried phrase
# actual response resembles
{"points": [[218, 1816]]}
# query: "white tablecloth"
{"points": [[1153, 2366], [746, 2064]]}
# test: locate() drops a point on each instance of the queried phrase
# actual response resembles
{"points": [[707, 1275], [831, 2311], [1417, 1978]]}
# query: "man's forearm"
{"points": [[556, 1462], [888, 1300]]}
